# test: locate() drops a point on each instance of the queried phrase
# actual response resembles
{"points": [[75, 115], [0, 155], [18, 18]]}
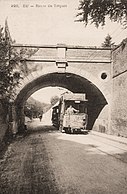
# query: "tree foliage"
{"points": [[54, 100], [10, 58], [33, 108], [108, 41], [95, 11]]}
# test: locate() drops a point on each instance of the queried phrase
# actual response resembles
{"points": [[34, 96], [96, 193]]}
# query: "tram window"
{"points": [[77, 101], [78, 105]]}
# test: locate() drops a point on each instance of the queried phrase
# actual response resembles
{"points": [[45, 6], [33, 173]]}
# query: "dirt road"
{"points": [[48, 162]]}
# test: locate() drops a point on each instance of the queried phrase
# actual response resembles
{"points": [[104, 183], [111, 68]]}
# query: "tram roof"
{"points": [[75, 96]]}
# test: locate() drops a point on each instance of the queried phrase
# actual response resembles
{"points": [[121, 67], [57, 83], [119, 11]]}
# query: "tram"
{"points": [[70, 115]]}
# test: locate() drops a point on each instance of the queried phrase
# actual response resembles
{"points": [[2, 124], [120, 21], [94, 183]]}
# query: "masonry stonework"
{"points": [[119, 91], [84, 69]]}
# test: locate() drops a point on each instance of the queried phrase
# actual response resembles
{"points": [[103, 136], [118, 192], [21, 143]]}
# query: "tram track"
{"points": [[115, 153]]}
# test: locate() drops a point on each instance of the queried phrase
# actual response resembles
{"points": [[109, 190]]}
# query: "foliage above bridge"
{"points": [[96, 11]]}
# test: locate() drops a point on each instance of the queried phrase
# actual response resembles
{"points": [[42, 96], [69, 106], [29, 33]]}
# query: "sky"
{"points": [[45, 94], [51, 22]]}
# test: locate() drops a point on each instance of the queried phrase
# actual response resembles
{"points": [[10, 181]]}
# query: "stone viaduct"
{"points": [[78, 69], [98, 72]]}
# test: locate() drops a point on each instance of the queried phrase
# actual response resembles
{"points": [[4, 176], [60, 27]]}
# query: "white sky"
{"points": [[45, 94], [52, 25]]}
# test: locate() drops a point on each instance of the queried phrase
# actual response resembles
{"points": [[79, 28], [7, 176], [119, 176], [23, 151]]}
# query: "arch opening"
{"points": [[69, 81]]}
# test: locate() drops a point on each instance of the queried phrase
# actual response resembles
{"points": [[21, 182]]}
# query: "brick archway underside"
{"points": [[72, 82]]}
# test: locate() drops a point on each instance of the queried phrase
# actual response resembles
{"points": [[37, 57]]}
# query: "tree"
{"points": [[97, 10], [5, 67], [108, 41], [34, 107], [10, 58], [54, 100]]}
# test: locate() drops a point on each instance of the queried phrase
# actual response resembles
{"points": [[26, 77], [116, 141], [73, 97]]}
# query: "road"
{"points": [[46, 161]]}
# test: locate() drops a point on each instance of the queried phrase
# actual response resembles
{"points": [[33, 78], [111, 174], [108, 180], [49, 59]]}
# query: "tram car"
{"points": [[72, 114]]}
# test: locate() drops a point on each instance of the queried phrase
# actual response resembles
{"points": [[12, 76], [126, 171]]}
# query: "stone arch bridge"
{"points": [[76, 68]]}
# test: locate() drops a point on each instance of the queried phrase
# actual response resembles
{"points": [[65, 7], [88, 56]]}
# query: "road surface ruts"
{"points": [[46, 161]]}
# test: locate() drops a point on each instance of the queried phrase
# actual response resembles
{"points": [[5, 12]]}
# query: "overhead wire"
{"points": [[119, 33], [95, 53], [115, 30], [92, 54]]}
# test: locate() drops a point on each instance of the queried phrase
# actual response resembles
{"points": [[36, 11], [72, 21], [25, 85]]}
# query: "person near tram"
{"points": [[40, 117], [70, 110]]}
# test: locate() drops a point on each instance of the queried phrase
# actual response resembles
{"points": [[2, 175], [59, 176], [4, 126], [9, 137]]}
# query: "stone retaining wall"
{"points": [[119, 99]]}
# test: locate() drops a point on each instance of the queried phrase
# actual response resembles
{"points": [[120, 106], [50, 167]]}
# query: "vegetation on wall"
{"points": [[12, 63]]}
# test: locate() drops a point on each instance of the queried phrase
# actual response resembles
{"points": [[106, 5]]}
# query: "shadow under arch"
{"points": [[73, 82]]}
